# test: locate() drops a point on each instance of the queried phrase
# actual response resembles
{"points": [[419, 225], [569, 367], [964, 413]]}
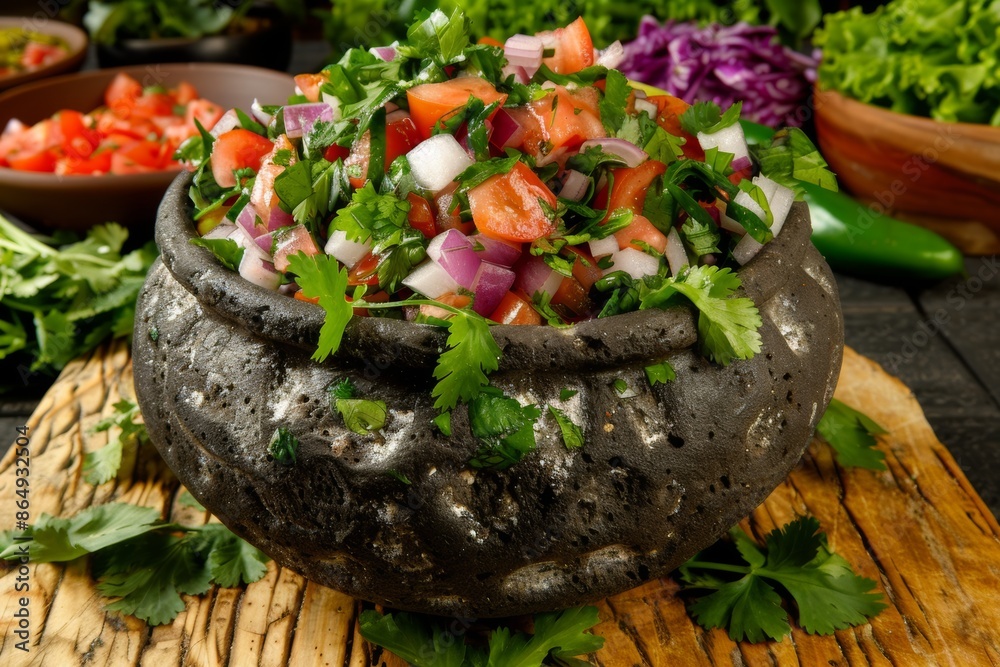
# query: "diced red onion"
{"points": [[632, 155], [534, 275], [506, 130], [258, 112], [728, 140], [612, 56], [651, 109], [741, 163], [575, 185], [396, 115], [491, 284], [453, 251], [279, 218], [291, 241], [437, 161], [300, 118], [259, 272], [525, 51], [605, 246], [265, 242], [386, 53], [520, 74], [247, 219], [229, 121], [633, 262], [496, 251], [344, 250], [223, 230], [675, 253], [431, 280]]}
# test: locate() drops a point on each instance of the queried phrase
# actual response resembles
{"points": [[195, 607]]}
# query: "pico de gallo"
{"points": [[528, 182], [137, 130], [26, 50]]}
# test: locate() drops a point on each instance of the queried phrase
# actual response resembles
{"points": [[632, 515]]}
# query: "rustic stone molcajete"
{"points": [[220, 364]]}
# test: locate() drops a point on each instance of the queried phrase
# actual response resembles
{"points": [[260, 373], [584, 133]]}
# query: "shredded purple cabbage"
{"points": [[724, 64]]}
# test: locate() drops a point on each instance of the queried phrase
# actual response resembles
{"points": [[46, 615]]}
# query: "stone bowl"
{"points": [[220, 364]]}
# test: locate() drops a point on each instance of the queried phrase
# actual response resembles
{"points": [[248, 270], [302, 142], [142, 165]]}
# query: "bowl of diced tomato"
{"points": [[32, 49], [99, 146]]}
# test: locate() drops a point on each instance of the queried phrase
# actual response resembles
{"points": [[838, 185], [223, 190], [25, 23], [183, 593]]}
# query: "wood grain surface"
{"points": [[918, 529]]}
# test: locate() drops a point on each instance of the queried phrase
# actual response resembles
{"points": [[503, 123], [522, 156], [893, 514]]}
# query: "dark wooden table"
{"points": [[942, 341]]}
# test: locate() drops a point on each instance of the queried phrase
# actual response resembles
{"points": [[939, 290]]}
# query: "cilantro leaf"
{"points": [[613, 102], [660, 373], [414, 638], [437, 36], [702, 239], [504, 427], [321, 276], [284, 447], [727, 325], [561, 635], [362, 416], [828, 595], [232, 560], [791, 157], [227, 251], [572, 435], [707, 117], [101, 465], [461, 370], [851, 434]]}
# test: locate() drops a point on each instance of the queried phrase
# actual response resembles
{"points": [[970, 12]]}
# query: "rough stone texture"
{"points": [[662, 475]]}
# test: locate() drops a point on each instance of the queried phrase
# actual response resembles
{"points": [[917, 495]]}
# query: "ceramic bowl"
{"points": [[220, 364], [75, 38], [912, 165], [79, 202]]}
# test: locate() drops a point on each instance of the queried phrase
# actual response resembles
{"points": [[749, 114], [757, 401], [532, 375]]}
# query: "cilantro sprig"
{"points": [[145, 564], [852, 436], [101, 465], [558, 639], [828, 595]]}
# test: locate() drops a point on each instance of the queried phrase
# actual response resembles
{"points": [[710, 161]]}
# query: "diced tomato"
{"points": [[421, 216], [310, 84], [308, 299], [401, 136], [335, 152], [78, 140], [262, 196], [641, 230], [506, 206], [446, 212], [151, 105], [97, 163], [44, 160], [121, 94], [432, 102], [357, 161], [37, 54], [571, 299], [109, 123], [669, 118], [515, 310], [562, 118], [738, 176], [574, 49], [139, 157], [631, 184], [489, 41], [205, 112], [585, 268], [365, 272], [237, 149], [451, 299], [186, 93]]}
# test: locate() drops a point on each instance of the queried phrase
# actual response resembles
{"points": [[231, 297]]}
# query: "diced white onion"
{"points": [[612, 56], [258, 112], [633, 262], [344, 250], [223, 230], [229, 121], [651, 109], [675, 253], [524, 51], [334, 102], [631, 154], [602, 247], [728, 140], [437, 161], [259, 272], [575, 185], [431, 280]]}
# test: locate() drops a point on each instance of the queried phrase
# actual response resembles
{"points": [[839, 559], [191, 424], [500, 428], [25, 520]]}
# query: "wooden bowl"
{"points": [[220, 364], [80, 202], [75, 38], [909, 164]]}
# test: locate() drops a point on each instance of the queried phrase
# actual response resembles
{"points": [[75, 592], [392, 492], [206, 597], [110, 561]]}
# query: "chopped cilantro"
{"points": [[660, 373], [362, 416], [572, 434], [505, 429], [284, 446], [852, 436], [227, 251], [461, 370], [791, 157], [101, 465], [613, 103], [443, 423], [566, 394], [706, 117], [828, 595]]}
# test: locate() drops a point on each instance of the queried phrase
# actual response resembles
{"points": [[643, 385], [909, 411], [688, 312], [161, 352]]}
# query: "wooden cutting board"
{"points": [[918, 529]]}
